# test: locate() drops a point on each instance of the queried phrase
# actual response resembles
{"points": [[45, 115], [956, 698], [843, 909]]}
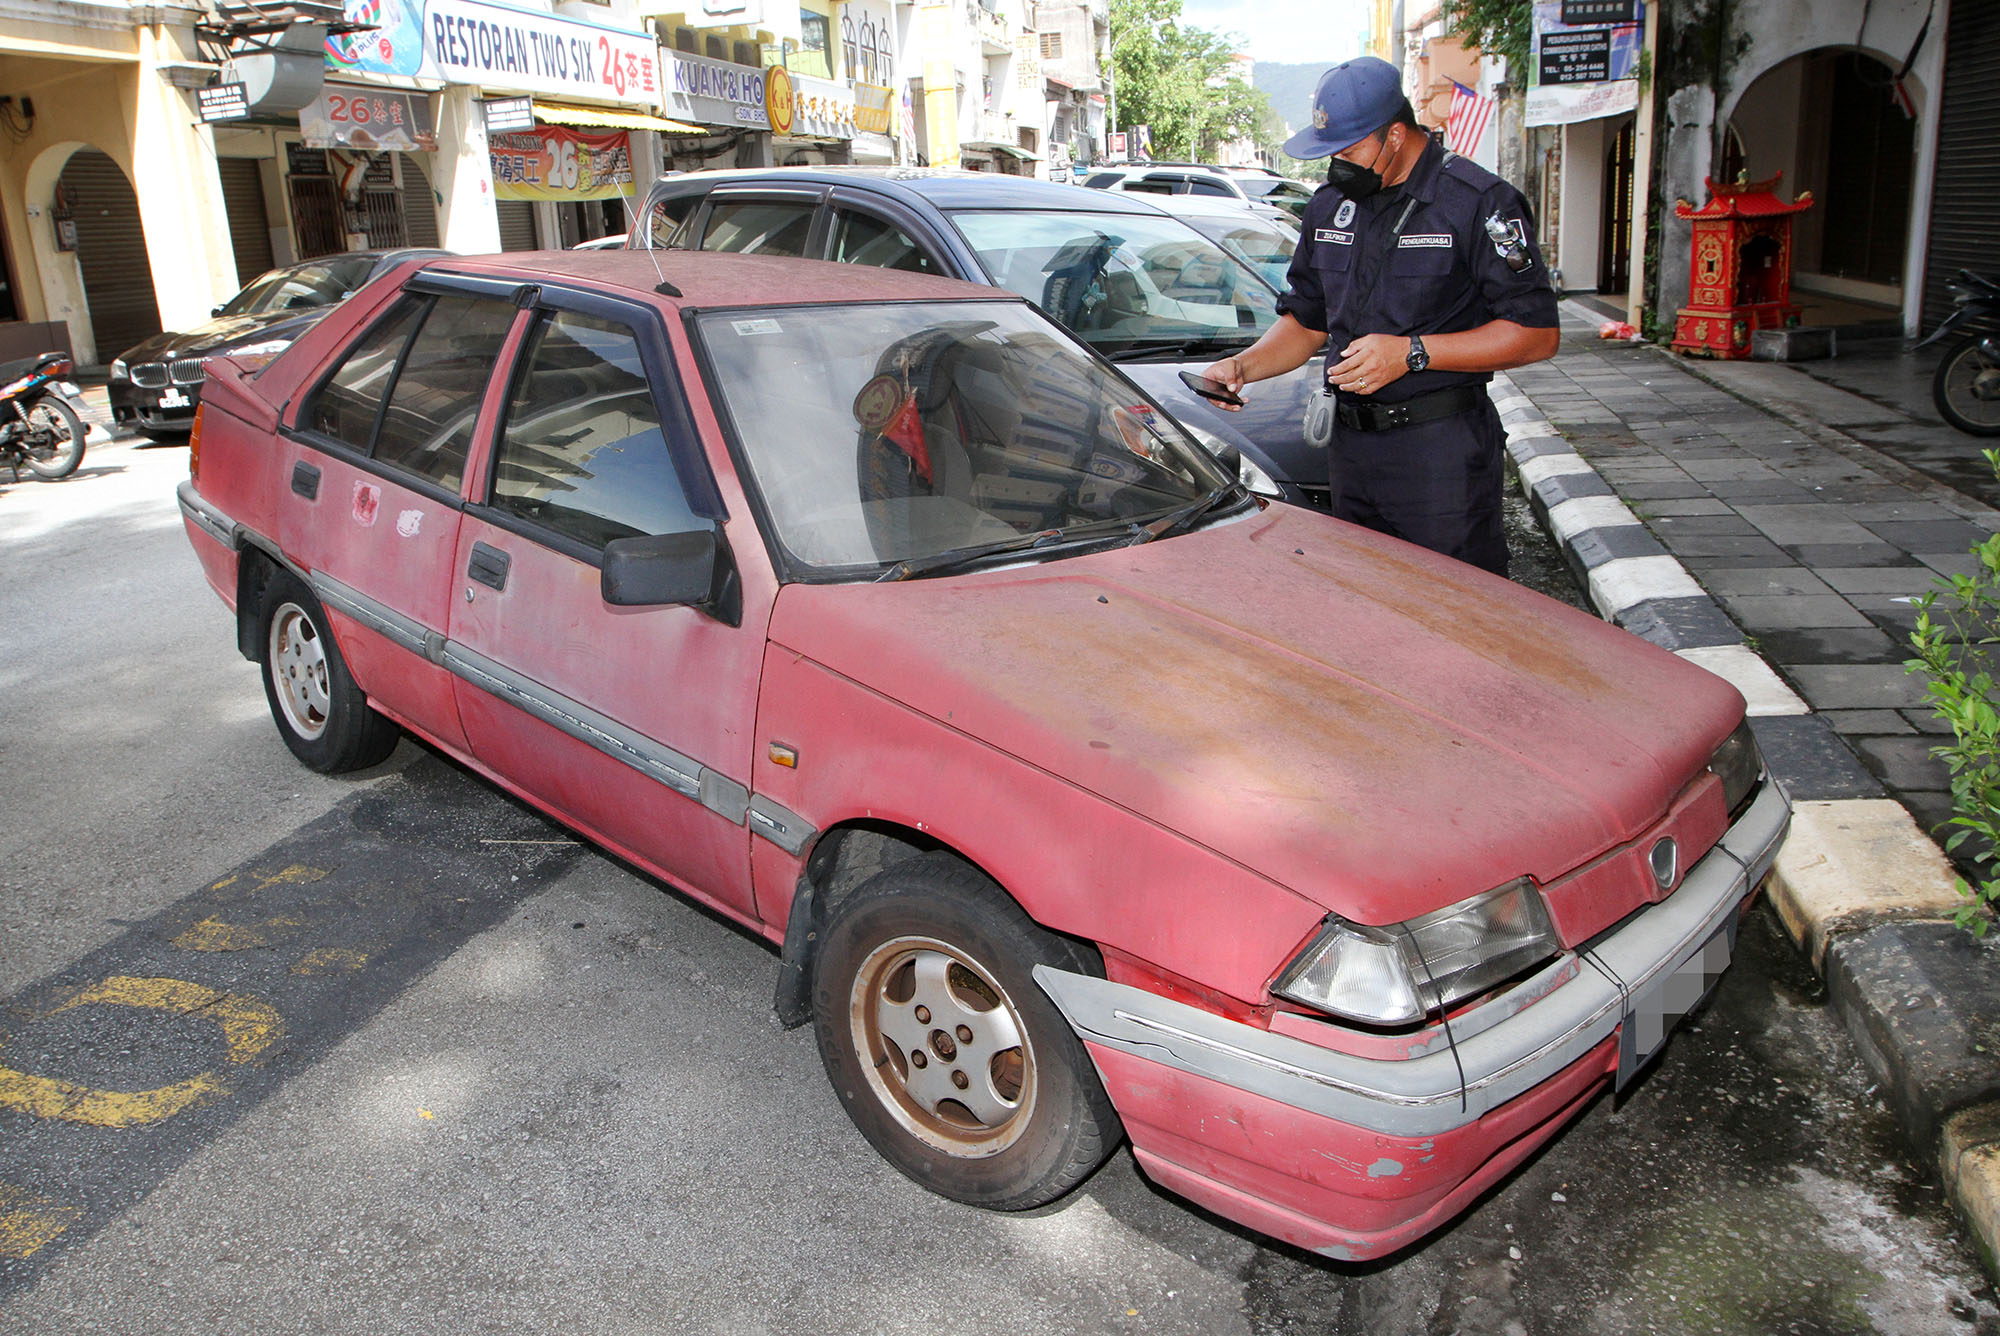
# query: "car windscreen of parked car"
{"points": [[1127, 284], [885, 439], [1265, 244], [301, 287]]}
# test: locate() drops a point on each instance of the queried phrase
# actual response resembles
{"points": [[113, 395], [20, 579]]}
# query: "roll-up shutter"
{"points": [[420, 221], [111, 252], [1965, 201], [517, 224], [249, 224]]}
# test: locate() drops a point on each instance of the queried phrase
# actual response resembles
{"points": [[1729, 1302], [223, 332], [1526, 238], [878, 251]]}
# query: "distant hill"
{"points": [[1290, 88]]}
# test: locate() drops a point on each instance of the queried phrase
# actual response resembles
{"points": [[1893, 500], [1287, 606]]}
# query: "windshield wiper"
{"points": [[953, 558], [1176, 520], [1195, 347]]}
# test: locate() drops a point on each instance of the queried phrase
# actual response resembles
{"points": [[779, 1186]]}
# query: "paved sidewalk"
{"points": [[1732, 513]]}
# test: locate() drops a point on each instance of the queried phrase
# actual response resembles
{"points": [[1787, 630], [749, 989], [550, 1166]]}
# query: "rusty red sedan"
{"points": [[1081, 794]]}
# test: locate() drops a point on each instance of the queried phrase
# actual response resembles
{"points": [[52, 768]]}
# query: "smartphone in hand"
{"points": [[1211, 389]]}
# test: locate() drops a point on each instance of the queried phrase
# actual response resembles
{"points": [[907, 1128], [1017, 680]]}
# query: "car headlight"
{"points": [[1739, 765], [1229, 456], [1398, 974], [119, 371]]}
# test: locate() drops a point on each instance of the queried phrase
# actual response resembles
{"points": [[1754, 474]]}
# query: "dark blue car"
{"points": [[1141, 287]]}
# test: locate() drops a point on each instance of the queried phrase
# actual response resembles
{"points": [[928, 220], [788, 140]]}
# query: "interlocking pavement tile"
{"points": [[1700, 504], [1950, 563], [1832, 645], [1817, 555], [1860, 723], [1714, 526], [1931, 535], [1892, 580], [1685, 490], [1814, 524], [1704, 545], [1904, 763], [1767, 581], [1855, 686], [1791, 611]]}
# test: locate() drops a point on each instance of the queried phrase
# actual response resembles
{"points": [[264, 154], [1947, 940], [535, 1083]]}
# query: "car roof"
{"points": [[942, 188], [718, 278]]}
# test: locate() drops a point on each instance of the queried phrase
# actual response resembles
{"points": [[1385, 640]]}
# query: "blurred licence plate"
{"points": [[173, 399], [1656, 1010]]}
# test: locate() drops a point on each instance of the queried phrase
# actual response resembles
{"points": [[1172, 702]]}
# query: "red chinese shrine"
{"points": [[1742, 276]]}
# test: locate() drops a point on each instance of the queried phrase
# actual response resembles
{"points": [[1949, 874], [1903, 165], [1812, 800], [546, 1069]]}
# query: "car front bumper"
{"points": [[1355, 1154], [169, 408]]}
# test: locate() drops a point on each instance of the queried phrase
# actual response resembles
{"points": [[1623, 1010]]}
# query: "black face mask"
{"points": [[1353, 180]]}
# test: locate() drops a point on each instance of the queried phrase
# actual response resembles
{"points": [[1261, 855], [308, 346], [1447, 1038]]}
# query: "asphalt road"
{"points": [[281, 1053]]}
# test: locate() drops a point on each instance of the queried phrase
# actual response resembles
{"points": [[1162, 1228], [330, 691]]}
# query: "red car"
{"points": [[1079, 789]]}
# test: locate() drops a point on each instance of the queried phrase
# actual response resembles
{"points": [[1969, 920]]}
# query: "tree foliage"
{"points": [[1181, 81], [1503, 28]]}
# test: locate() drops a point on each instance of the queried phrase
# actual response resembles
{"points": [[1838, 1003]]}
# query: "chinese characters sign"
{"points": [[493, 45], [350, 116], [554, 162], [1583, 73]]}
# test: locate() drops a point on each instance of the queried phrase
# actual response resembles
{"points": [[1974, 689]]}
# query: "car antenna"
{"points": [[663, 287]]}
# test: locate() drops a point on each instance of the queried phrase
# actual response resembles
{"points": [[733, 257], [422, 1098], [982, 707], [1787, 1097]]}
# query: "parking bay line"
{"points": [[128, 1061]]}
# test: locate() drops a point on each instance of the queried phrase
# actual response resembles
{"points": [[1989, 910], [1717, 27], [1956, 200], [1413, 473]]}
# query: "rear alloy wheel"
{"points": [[945, 1052], [323, 716]]}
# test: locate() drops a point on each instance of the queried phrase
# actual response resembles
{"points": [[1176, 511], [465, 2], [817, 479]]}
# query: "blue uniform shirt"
{"points": [[1443, 273]]}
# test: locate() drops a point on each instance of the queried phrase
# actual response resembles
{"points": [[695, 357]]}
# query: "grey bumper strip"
{"points": [[206, 517], [1426, 1095]]}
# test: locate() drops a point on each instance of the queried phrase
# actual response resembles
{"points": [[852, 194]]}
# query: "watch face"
{"points": [[1418, 358]]}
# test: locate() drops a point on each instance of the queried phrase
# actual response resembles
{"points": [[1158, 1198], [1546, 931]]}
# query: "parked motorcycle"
{"points": [[1966, 385], [38, 426]]}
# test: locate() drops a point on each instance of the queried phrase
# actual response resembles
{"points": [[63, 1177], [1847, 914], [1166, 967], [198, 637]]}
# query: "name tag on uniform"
{"points": [[1426, 241], [1337, 238]]}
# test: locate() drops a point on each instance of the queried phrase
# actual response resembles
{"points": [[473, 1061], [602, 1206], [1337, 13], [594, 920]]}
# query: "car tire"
{"points": [[322, 715], [944, 1050]]}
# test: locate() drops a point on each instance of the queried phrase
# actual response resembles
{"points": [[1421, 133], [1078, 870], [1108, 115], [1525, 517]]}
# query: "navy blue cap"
{"points": [[1353, 101]]}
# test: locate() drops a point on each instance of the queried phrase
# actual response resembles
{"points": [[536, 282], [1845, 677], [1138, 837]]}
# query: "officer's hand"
{"points": [[1370, 362], [1227, 372]]}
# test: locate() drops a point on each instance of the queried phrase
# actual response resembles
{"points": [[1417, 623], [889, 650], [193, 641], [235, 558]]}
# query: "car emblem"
{"points": [[1666, 861], [1345, 214]]}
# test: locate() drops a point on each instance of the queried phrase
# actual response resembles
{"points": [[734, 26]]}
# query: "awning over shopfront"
{"points": [[996, 146], [560, 113]]}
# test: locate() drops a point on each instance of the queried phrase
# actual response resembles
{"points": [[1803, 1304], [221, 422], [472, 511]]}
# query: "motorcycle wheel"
{"points": [[1966, 388], [55, 438]]}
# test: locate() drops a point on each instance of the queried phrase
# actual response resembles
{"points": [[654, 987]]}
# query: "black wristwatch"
{"points": [[1418, 359]]}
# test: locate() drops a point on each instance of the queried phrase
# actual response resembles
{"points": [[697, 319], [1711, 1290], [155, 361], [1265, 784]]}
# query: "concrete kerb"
{"points": [[1856, 875]]}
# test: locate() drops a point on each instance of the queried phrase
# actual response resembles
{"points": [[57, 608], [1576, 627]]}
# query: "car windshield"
{"points": [[301, 287], [894, 439], [1124, 283], [1291, 196], [1265, 244]]}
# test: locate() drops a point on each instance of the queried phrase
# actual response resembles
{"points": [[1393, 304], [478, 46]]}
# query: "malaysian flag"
{"points": [[1469, 115]]}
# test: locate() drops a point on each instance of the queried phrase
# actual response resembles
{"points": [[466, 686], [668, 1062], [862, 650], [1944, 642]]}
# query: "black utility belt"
{"points": [[1367, 415]]}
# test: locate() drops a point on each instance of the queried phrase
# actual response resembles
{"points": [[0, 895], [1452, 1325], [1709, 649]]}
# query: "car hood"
{"points": [[1380, 729], [225, 333], [1270, 428]]}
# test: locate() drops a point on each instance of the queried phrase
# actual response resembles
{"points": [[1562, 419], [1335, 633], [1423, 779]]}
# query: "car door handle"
{"points": [[305, 481], [488, 566]]}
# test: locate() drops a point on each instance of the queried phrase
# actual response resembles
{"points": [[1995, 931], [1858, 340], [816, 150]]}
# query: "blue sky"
{"points": [[1289, 31]]}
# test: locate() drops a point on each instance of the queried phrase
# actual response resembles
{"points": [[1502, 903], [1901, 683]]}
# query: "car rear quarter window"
{"points": [[348, 403], [668, 216], [428, 427], [862, 238], [582, 453], [1198, 186], [760, 227]]}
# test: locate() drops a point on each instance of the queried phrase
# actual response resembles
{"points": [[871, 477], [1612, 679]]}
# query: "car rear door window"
{"points": [[1197, 186], [862, 238], [428, 426], [760, 227], [582, 453], [347, 405]]}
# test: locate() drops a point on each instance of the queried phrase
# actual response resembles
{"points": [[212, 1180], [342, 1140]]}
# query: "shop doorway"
{"points": [[110, 252], [1614, 263]]}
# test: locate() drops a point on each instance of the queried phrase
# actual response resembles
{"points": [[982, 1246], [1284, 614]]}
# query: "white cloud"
{"points": [[1287, 31]]}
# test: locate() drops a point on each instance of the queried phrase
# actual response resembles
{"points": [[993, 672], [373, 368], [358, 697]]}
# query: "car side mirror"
{"points": [[691, 569], [216, 310]]}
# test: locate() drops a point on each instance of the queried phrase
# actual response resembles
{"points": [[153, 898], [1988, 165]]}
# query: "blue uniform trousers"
{"points": [[1435, 484]]}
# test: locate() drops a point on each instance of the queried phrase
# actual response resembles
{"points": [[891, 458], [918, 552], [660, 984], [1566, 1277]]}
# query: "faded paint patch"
{"points": [[367, 504], [29, 1220], [330, 960], [1385, 1168], [410, 523], [212, 934]]}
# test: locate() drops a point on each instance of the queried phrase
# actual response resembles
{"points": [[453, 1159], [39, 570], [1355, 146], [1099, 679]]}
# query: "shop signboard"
{"points": [[489, 45], [828, 110], [223, 102], [715, 92], [1584, 73], [353, 116], [874, 109], [556, 163]]}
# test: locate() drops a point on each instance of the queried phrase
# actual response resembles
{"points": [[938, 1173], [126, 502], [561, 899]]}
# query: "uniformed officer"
{"points": [[1418, 273]]}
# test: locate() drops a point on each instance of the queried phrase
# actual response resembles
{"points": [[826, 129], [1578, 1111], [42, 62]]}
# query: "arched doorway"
{"points": [[1830, 121], [110, 252]]}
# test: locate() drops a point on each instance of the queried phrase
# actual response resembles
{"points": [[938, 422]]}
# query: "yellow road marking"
{"points": [[328, 959], [212, 934], [298, 874], [249, 1027], [29, 1220]]}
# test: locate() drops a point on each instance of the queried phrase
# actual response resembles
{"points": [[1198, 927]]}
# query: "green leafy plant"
{"points": [[1504, 28], [1957, 644]]}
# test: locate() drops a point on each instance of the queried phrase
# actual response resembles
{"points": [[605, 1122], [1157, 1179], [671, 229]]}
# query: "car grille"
{"points": [[180, 371]]}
